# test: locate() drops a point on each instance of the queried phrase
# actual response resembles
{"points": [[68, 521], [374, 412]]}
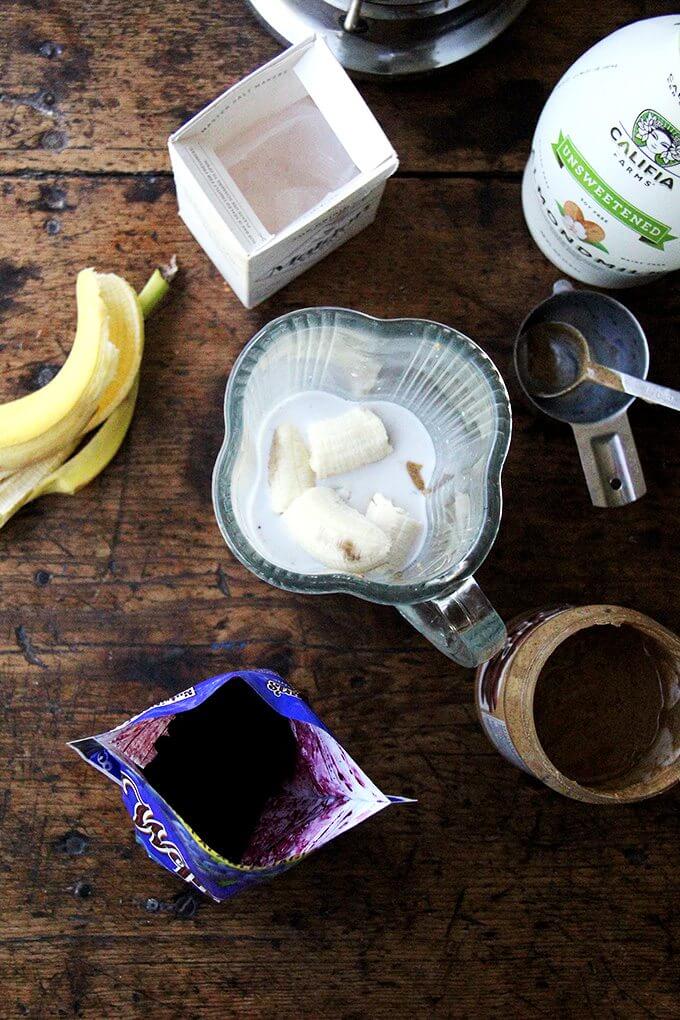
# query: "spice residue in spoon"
{"points": [[549, 358]]}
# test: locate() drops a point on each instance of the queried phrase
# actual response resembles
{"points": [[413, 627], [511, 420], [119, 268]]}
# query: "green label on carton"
{"points": [[649, 230]]}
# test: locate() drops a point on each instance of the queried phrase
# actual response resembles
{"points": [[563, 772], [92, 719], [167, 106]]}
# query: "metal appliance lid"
{"points": [[391, 38]]}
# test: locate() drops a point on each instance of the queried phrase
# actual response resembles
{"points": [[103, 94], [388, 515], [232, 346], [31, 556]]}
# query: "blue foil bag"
{"points": [[323, 794]]}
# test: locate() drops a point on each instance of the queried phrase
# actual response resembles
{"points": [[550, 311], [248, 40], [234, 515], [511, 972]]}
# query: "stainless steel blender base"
{"points": [[390, 44]]}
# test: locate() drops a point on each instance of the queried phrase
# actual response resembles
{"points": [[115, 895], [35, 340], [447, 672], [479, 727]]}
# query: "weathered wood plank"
{"points": [[151, 511], [94, 87], [488, 894], [491, 896]]}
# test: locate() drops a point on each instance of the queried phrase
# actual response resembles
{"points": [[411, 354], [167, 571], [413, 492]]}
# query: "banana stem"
{"points": [[156, 287]]}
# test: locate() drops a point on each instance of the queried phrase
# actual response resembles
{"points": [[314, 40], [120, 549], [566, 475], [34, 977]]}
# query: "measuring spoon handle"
{"points": [[651, 392]]}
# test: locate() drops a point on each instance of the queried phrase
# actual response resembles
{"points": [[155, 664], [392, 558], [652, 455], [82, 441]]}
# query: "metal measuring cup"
{"points": [[597, 415]]}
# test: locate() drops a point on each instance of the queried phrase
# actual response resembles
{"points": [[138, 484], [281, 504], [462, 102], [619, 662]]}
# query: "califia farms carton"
{"points": [[601, 190]]}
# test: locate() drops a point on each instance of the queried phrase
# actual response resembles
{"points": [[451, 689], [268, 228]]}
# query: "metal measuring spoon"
{"points": [[555, 358]]}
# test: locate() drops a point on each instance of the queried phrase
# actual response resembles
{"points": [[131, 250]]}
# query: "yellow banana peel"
{"points": [[69, 428], [24, 419], [126, 333], [64, 474], [93, 457], [41, 462], [20, 487]]}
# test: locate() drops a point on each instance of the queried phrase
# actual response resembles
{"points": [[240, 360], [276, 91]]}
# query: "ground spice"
{"points": [[598, 703], [415, 472]]}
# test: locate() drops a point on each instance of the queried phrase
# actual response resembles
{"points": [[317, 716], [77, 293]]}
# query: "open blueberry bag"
{"points": [[233, 780]]}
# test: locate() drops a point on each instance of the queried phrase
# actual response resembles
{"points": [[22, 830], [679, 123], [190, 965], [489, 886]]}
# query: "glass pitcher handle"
{"points": [[463, 625]]}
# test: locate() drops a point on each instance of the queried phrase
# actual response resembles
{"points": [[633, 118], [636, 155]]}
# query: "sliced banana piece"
{"points": [[401, 529], [347, 442], [289, 472], [335, 533]]}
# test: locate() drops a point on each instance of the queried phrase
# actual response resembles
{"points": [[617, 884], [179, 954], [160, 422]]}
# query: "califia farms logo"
{"points": [[658, 136], [652, 147]]}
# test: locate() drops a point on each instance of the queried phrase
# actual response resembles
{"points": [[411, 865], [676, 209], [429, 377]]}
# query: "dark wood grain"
{"points": [[491, 896], [92, 86]]}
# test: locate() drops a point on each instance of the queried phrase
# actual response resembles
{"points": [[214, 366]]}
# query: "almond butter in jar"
{"points": [[587, 699]]}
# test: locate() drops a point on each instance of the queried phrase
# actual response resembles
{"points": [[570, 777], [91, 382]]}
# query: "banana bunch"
{"points": [[95, 389]]}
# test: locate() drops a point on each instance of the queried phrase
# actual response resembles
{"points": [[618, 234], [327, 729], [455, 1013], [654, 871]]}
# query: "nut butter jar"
{"points": [[587, 699]]}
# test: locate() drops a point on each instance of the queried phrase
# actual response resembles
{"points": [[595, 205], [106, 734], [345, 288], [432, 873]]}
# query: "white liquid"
{"points": [[410, 442]]}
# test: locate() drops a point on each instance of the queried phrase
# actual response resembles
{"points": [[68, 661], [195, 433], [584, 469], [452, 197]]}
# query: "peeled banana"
{"points": [[347, 442], [335, 533], [401, 529], [289, 471]]}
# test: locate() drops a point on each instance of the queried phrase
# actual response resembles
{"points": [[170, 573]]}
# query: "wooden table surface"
{"points": [[492, 896]]}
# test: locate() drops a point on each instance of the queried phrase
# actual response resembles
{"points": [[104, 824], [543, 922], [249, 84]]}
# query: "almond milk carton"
{"points": [[601, 190]]}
